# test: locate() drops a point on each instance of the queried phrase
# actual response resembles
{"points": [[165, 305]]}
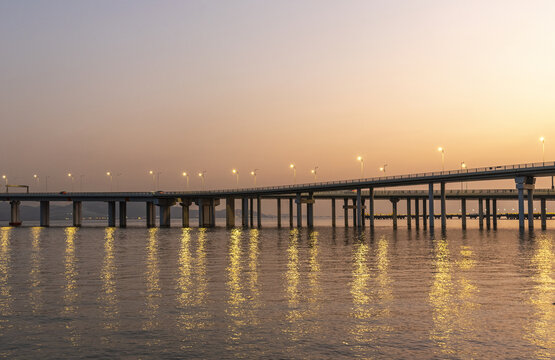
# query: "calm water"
{"points": [[269, 293]]}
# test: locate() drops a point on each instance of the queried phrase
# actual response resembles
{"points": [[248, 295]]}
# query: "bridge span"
{"points": [[358, 195]]}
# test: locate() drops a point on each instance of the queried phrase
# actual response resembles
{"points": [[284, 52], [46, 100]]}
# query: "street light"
{"points": [[6, 179], [253, 173], [236, 173], [542, 139], [36, 179], [71, 177], [155, 179], [359, 158], [314, 172], [292, 166], [442, 151], [463, 166], [109, 174], [201, 175], [185, 175], [383, 169]]}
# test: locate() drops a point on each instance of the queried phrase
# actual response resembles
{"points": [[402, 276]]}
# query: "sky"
{"points": [[130, 86]]}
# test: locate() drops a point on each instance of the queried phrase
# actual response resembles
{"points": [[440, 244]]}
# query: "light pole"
{"points": [[186, 175], [359, 158], [314, 172], [442, 151], [37, 180], [236, 173], [201, 175], [71, 177], [155, 179], [109, 174], [463, 166], [6, 179], [542, 140], [383, 169], [253, 173], [292, 166]]}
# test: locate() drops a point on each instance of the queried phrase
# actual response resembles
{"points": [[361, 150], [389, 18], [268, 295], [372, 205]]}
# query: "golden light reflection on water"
{"points": [[108, 296], [236, 298], [5, 288], [152, 279], [540, 330], [184, 282], [70, 287], [440, 297], [35, 295], [292, 276]]}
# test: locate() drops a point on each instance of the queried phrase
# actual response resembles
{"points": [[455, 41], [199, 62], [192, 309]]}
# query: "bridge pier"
{"points": [[207, 212], [543, 213], [481, 213], [363, 201], [310, 210], [122, 214], [111, 213], [443, 207], [278, 212], [15, 218], [150, 215], [45, 213], [299, 211], [258, 212], [371, 207], [494, 216], [290, 212], [251, 215], [230, 212], [354, 208], [431, 204], [185, 213], [531, 208], [346, 211], [424, 216], [359, 208], [333, 212], [417, 213], [488, 214], [463, 213], [409, 214], [77, 217], [525, 183], [165, 212], [245, 212], [394, 202]]}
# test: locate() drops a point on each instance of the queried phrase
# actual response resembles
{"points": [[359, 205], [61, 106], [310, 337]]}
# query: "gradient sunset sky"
{"points": [[131, 86]]}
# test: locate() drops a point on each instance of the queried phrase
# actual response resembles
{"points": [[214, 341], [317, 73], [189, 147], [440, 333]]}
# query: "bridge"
{"points": [[354, 193]]}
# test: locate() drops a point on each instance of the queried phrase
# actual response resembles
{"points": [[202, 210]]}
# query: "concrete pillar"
{"points": [[230, 212], [530, 197], [488, 214], [245, 212], [544, 214], [333, 212], [417, 213], [258, 212], [185, 214], [279, 212], [371, 207], [363, 202], [443, 208], [164, 210], [15, 218], [424, 216], [354, 207], [77, 217], [299, 211], [122, 214], [45, 213], [394, 202], [150, 215], [431, 204], [463, 213], [346, 211], [213, 204], [481, 212], [291, 212], [494, 205], [409, 214], [310, 210], [111, 213], [359, 208], [251, 200], [200, 203], [520, 188]]}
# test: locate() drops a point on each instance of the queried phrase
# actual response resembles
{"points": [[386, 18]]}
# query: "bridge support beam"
{"points": [[346, 211], [394, 202], [424, 216], [258, 212], [431, 204], [494, 213], [354, 207], [185, 214], [359, 208], [463, 213], [278, 212], [290, 212], [165, 216], [15, 218], [371, 207], [77, 217], [299, 211], [481, 213], [207, 212], [543, 213], [443, 207], [488, 213], [245, 212], [200, 203], [122, 214], [525, 183], [230, 212], [531, 208], [150, 215], [417, 213], [333, 212], [409, 214], [45, 213], [310, 211], [363, 201], [111, 213], [251, 215]]}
